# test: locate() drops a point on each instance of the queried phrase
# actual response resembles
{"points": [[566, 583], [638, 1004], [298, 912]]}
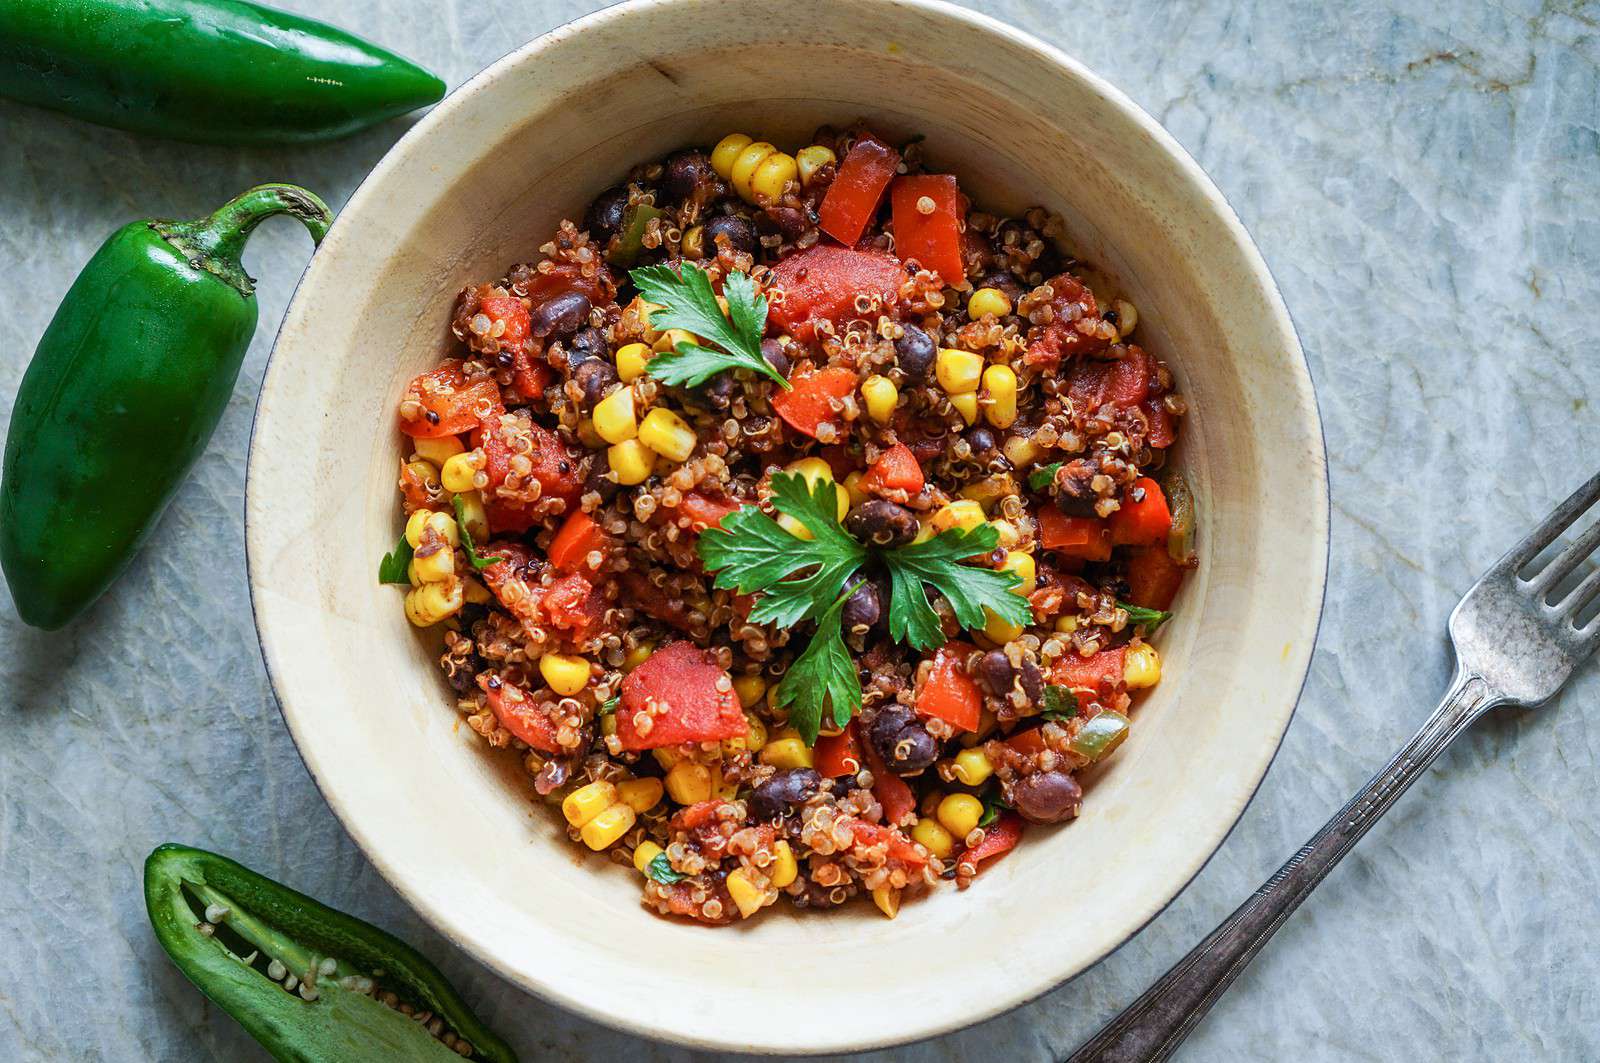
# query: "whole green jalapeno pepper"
{"points": [[125, 388], [313, 985], [209, 71]]}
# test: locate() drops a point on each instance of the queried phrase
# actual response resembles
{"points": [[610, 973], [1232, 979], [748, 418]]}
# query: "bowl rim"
{"points": [[553, 991]]}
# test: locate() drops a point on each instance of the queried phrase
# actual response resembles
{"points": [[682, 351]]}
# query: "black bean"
{"points": [[604, 216], [561, 315], [588, 343], [882, 523], [996, 672], [900, 739], [772, 351], [597, 481], [1047, 796], [718, 391], [685, 172], [790, 221], [863, 609], [981, 440], [1006, 282], [739, 233], [778, 796], [915, 351], [594, 377], [1032, 682]]}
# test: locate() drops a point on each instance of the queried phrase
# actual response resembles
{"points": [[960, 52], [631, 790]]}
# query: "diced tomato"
{"points": [[893, 793], [696, 815], [1163, 430], [678, 687], [822, 283], [811, 401], [649, 599], [509, 311], [569, 277], [519, 714], [1096, 675], [901, 850], [838, 755], [1153, 577], [1077, 327], [999, 838], [509, 580], [1028, 742], [933, 239], [853, 198], [705, 511], [415, 490], [529, 378], [571, 604], [579, 537], [896, 470], [554, 466], [1143, 520], [1085, 537], [950, 694], [450, 404]]}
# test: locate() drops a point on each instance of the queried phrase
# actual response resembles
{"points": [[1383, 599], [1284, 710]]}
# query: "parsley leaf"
{"points": [[688, 302], [392, 569], [993, 805], [660, 869], [1060, 703], [1042, 477], [750, 552], [822, 677], [969, 589], [477, 562], [1149, 619]]}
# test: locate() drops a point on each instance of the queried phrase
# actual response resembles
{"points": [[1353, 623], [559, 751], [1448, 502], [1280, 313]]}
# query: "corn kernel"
{"points": [[959, 814], [432, 602], [1006, 533], [457, 473], [608, 827], [784, 869], [852, 488], [614, 416], [1023, 566], [636, 656], [667, 434], [958, 371], [787, 753], [881, 396], [438, 451], [475, 592], [665, 757], [925, 532], [972, 767], [999, 630], [431, 568], [744, 168], [812, 470], [1000, 384], [750, 688], [773, 176], [567, 674], [963, 513], [631, 360], [693, 244], [932, 835], [631, 461], [474, 516], [641, 795], [425, 472], [1067, 625], [1127, 316], [991, 489], [1141, 666], [443, 525], [608, 724], [987, 301], [411, 574], [587, 802], [644, 854], [887, 898], [745, 893], [723, 787], [809, 160], [689, 782], [726, 151], [966, 404], [1020, 451], [669, 340]]}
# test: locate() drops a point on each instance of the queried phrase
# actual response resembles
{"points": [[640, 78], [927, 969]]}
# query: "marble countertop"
{"points": [[1422, 179]]}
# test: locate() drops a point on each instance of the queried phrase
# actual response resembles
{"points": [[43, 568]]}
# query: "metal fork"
{"points": [[1512, 647]]}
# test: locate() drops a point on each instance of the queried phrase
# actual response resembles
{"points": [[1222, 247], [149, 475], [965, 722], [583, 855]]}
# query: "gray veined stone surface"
{"points": [[1423, 178]]}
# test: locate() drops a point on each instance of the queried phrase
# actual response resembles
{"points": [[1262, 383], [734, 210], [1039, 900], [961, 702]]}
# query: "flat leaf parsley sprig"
{"points": [[688, 302], [805, 579]]}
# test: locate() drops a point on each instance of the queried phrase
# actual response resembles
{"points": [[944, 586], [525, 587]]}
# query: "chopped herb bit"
{"points": [[1139, 616], [393, 567], [609, 706], [1042, 477], [1060, 703], [688, 302], [993, 805], [468, 547], [660, 869]]}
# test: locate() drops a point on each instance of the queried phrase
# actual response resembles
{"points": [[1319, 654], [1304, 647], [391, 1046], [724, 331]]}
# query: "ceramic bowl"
{"points": [[479, 184]]}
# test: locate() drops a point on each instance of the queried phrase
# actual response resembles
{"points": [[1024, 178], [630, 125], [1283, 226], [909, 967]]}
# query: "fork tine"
{"points": [[1570, 558], [1557, 522], [1573, 603]]}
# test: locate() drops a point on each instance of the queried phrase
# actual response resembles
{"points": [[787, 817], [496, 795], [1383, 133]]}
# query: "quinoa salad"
{"points": [[799, 525]]}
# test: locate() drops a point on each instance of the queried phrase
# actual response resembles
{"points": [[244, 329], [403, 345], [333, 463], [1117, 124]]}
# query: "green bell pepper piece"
{"points": [[229, 930], [630, 241], [1100, 736], [207, 71]]}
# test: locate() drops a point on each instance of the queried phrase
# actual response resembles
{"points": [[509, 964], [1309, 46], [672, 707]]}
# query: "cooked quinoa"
{"points": [[943, 371]]}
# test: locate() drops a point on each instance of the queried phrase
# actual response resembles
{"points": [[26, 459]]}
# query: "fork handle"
{"points": [[1154, 1025]]}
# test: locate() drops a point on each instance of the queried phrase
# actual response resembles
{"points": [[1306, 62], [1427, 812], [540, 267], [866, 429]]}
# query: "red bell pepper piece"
{"points": [[1095, 675], [1085, 537], [578, 538], [705, 511], [893, 793], [934, 238], [519, 714], [1028, 742], [896, 470], [1143, 520], [451, 405], [838, 755], [950, 694], [810, 401], [999, 838], [677, 690], [853, 198], [822, 283], [1153, 577]]}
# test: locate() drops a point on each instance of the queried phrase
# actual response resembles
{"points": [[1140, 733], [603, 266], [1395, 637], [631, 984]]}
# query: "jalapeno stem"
{"points": [[216, 243]]}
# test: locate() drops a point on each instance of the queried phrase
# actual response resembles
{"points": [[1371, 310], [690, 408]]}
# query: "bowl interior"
{"points": [[479, 185]]}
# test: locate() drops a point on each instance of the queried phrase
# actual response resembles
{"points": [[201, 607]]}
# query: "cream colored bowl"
{"points": [[479, 184]]}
